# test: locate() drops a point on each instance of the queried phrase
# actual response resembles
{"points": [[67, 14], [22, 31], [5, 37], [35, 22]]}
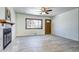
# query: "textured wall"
{"points": [[66, 24]]}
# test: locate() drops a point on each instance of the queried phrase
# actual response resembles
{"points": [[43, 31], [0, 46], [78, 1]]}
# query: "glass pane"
{"points": [[33, 23]]}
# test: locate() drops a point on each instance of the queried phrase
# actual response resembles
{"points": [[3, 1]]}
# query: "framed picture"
{"points": [[7, 14]]}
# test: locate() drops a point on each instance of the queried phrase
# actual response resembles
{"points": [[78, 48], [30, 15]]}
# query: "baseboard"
{"points": [[65, 37], [31, 35]]}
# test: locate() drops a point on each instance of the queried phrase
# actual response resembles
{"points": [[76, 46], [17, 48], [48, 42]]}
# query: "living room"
{"points": [[40, 29]]}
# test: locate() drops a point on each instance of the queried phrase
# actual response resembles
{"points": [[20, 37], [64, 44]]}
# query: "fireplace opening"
{"points": [[7, 37]]}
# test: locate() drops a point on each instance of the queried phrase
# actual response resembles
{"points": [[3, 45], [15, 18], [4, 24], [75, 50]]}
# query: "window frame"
{"points": [[33, 19]]}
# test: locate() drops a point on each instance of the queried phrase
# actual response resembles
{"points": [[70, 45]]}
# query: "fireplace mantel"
{"points": [[3, 21]]}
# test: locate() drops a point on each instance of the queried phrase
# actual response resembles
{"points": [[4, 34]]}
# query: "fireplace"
{"points": [[7, 37]]}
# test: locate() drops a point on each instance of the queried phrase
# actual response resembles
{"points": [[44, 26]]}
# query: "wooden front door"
{"points": [[48, 26]]}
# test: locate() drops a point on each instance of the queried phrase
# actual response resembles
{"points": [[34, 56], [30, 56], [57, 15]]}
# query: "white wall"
{"points": [[20, 25], [2, 12], [78, 23], [66, 24]]}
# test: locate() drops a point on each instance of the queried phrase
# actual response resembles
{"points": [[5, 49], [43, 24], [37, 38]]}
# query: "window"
{"points": [[33, 23]]}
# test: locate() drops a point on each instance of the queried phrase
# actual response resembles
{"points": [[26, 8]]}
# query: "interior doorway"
{"points": [[48, 26]]}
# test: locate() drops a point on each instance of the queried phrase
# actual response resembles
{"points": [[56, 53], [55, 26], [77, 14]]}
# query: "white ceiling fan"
{"points": [[45, 10]]}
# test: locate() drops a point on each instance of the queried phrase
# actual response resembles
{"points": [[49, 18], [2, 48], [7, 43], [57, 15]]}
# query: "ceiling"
{"points": [[36, 10]]}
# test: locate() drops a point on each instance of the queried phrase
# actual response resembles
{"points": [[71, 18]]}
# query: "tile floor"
{"points": [[46, 43]]}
